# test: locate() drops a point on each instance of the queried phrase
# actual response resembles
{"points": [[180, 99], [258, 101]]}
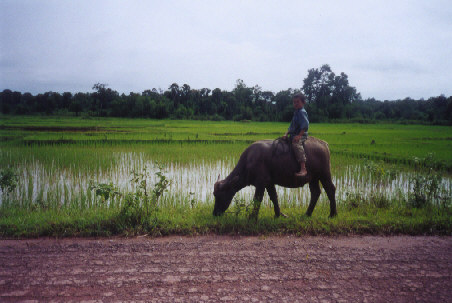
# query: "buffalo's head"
{"points": [[223, 192]]}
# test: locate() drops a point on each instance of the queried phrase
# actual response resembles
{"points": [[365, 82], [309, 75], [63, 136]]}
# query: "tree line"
{"points": [[330, 98]]}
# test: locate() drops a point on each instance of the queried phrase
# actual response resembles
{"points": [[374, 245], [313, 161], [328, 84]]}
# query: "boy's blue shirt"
{"points": [[299, 121]]}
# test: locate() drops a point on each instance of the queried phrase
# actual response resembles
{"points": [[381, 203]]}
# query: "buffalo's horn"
{"points": [[218, 178]]}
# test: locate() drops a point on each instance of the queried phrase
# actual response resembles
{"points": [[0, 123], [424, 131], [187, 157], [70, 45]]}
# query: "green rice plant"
{"points": [[348, 139]]}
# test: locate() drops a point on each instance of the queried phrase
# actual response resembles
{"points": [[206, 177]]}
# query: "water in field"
{"points": [[190, 183]]}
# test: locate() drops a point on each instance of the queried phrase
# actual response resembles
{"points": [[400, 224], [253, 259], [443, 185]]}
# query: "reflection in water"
{"points": [[189, 181]]}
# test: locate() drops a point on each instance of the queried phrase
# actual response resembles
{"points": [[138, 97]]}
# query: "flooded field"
{"points": [[191, 182]]}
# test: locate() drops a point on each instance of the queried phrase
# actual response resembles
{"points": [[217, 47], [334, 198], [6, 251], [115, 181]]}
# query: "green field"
{"points": [[375, 167], [397, 143]]}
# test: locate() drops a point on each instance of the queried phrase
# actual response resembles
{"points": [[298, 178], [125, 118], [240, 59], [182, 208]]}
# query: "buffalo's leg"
{"points": [[258, 196], [271, 190], [331, 193], [314, 187]]}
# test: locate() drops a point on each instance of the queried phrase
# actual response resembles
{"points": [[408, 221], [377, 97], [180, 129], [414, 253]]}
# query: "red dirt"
{"points": [[223, 268]]}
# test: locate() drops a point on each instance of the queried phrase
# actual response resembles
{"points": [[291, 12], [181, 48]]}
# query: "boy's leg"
{"points": [[301, 158]]}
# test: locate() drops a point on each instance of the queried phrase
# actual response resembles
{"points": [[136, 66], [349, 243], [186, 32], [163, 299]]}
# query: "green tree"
{"points": [[103, 98], [327, 93], [243, 94], [75, 107]]}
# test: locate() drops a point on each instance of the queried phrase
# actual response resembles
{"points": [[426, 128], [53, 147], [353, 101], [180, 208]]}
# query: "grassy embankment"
{"points": [[80, 149]]}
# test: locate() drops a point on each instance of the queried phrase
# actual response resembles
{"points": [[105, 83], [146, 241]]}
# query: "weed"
{"points": [[132, 212], [379, 200], [41, 204], [162, 184], [8, 180], [241, 206], [425, 183], [139, 205], [357, 200], [379, 172], [104, 191], [354, 200], [192, 200]]}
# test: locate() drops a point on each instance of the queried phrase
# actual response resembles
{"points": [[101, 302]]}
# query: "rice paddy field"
{"points": [[98, 177]]}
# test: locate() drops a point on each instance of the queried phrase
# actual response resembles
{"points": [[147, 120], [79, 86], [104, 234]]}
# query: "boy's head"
{"points": [[299, 100]]}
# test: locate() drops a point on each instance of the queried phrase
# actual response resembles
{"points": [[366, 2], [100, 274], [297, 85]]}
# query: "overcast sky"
{"points": [[389, 49]]}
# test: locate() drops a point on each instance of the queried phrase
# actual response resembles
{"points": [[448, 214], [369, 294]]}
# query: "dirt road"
{"points": [[222, 269]]}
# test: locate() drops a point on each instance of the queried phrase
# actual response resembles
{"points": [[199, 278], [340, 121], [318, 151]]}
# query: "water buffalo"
{"points": [[269, 162]]}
